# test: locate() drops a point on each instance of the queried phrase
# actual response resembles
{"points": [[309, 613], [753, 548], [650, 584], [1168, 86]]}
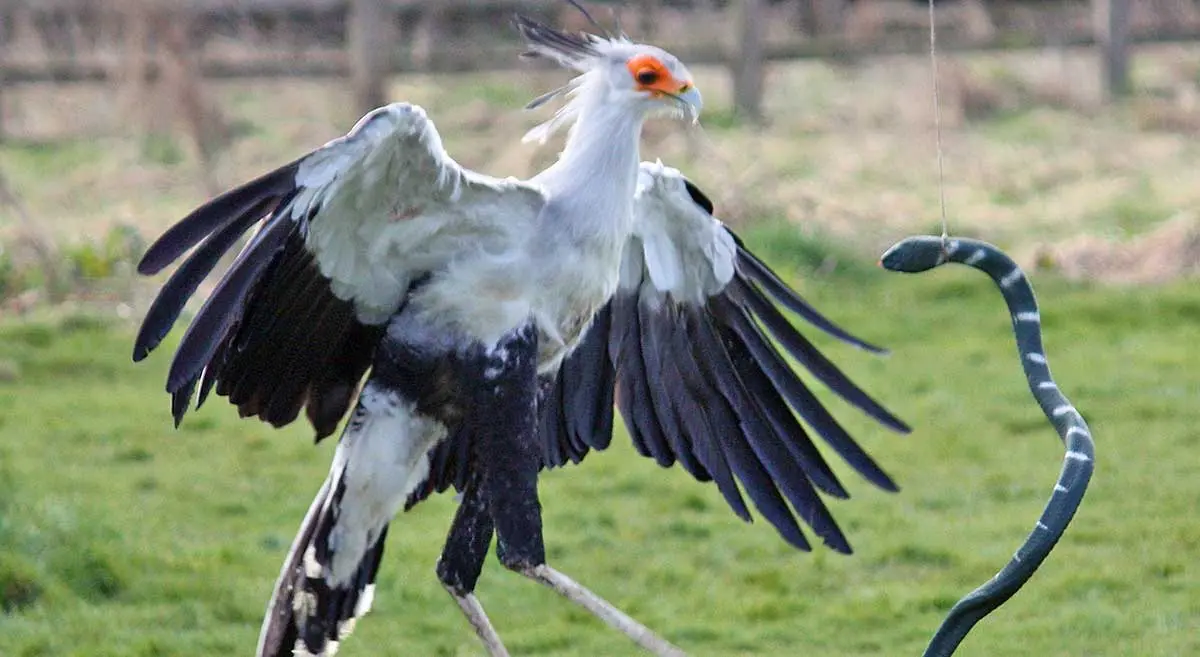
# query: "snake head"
{"points": [[914, 254]]}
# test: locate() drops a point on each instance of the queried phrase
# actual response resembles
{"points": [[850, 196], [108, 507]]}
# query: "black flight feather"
{"points": [[235, 205], [287, 291], [307, 358], [808, 356], [756, 269], [699, 197], [332, 393], [209, 377], [633, 396], [554, 426], [182, 285], [662, 340], [297, 345], [800, 398], [591, 376], [180, 399], [274, 315], [758, 373], [293, 331], [742, 460], [688, 394], [568, 449], [706, 429], [770, 447], [783, 422], [651, 354], [785, 472], [224, 306]]}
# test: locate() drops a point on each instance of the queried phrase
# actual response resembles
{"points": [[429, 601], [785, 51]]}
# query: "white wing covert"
{"points": [[683, 350], [347, 231]]}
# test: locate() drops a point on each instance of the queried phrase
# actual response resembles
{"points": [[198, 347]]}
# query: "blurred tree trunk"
{"points": [[1111, 23], [804, 17], [831, 17], [747, 67], [370, 43], [817, 18], [160, 86], [137, 96], [647, 12], [3, 67], [429, 29], [180, 74]]}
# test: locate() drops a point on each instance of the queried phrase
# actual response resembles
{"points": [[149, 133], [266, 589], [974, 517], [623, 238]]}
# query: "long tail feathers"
{"points": [[307, 615]]}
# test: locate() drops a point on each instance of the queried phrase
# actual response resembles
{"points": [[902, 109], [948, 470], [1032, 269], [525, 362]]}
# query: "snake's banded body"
{"points": [[917, 254]]}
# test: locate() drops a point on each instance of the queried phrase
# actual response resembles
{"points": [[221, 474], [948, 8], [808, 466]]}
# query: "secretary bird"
{"points": [[499, 320]]}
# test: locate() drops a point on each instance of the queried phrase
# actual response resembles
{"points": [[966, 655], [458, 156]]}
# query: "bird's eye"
{"points": [[648, 71]]}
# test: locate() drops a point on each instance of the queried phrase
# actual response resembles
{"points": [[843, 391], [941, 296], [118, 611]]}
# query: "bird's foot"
{"points": [[473, 610], [602, 609]]}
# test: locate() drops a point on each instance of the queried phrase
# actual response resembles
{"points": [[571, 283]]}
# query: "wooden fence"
{"points": [[65, 40], [78, 40]]}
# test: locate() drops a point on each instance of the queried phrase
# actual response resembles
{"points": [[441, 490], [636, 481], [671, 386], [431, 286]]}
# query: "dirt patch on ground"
{"points": [[1167, 253]]}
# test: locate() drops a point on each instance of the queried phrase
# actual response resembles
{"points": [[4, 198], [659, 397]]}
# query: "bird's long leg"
{"points": [[602, 609], [510, 458], [462, 561], [473, 610]]}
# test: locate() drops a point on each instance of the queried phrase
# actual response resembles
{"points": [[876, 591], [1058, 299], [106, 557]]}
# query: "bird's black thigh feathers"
{"points": [[503, 425], [468, 542], [499, 463]]}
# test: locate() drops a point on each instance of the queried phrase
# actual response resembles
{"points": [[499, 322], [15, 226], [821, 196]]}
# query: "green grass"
{"points": [[121, 536], [1136, 210]]}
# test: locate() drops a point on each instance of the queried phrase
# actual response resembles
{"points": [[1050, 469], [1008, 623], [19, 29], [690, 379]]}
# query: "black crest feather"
{"points": [[545, 41]]}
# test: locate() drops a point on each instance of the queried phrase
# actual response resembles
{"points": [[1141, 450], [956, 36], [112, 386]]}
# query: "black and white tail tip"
{"points": [[918, 254], [309, 613]]}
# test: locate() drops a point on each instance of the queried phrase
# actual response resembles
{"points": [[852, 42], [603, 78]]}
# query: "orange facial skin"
{"points": [[649, 74]]}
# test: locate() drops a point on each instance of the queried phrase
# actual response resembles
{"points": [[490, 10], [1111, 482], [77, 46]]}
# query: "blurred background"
{"points": [[1069, 136]]}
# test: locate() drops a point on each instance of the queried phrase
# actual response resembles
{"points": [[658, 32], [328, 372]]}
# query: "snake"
{"points": [[927, 252]]}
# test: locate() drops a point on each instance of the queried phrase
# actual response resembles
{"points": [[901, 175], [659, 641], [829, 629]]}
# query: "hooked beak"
{"points": [[690, 102]]}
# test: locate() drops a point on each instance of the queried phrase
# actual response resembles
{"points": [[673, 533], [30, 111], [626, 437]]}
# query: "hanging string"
{"points": [[937, 122]]}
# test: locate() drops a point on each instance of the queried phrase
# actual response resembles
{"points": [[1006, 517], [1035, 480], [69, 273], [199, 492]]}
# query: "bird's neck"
{"points": [[598, 166], [604, 143]]}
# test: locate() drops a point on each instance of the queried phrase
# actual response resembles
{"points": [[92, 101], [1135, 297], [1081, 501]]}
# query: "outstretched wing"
{"points": [[346, 231], [685, 345]]}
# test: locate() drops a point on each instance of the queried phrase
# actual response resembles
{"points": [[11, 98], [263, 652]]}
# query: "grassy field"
{"points": [[121, 536]]}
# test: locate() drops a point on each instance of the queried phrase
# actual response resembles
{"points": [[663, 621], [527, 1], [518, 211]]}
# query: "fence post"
{"points": [[369, 41], [1111, 23], [747, 67], [3, 82]]}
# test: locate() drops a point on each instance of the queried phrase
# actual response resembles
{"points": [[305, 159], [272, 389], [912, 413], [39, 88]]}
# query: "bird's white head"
{"points": [[614, 71]]}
